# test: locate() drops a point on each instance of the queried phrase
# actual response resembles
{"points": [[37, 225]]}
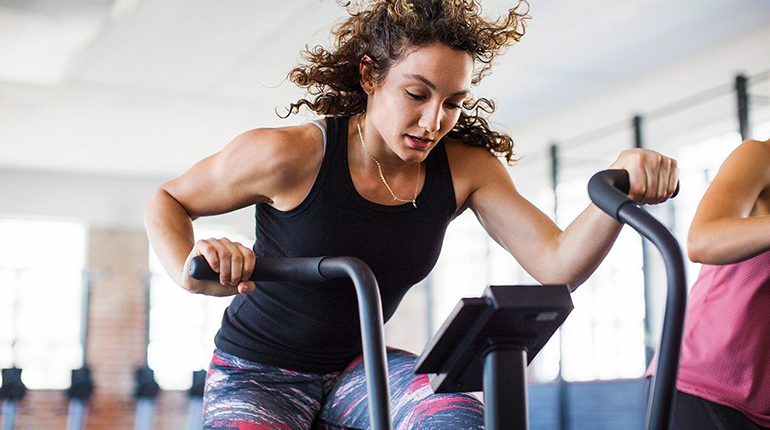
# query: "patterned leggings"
{"points": [[245, 395]]}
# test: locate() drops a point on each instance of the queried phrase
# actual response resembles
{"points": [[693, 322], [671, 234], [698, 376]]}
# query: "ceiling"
{"points": [[147, 87]]}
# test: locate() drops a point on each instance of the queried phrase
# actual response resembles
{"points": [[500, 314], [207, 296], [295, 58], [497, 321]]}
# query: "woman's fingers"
{"points": [[673, 177], [249, 260], [208, 249], [234, 272], [246, 287], [654, 167], [634, 163], [652, 176], [667, 179], [233, 261]]}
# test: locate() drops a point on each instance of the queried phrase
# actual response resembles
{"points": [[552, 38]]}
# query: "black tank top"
{"points": [[314, 326]]}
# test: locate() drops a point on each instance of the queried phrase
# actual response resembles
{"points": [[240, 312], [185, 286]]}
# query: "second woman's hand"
{"points": [[653, 177], [232, 261]]}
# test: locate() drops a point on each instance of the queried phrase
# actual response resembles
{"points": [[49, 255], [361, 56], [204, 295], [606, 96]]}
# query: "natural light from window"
{"points": [[183, 325], [41, 287]]}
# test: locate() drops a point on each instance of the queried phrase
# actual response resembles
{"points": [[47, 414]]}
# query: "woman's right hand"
{"points": [[233, 261]]}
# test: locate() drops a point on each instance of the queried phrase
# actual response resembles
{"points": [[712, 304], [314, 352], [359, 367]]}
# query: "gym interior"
{"points": [[101, 101]]}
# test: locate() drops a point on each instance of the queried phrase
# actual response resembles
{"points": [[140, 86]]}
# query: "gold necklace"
{"points": [[379, 169]]}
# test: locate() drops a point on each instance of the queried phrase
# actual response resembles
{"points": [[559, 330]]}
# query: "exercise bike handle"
{"points": [[267, 269], [607, 190], [369, 309]]}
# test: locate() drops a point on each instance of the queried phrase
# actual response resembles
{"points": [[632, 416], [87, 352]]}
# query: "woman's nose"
{"points": [[431, 119]]}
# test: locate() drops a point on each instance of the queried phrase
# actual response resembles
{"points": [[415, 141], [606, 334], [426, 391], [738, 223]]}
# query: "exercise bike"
{"points": [[486, 342]]}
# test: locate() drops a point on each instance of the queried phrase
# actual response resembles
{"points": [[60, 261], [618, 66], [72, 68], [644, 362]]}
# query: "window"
{"points": [[182, 325], [462, 269], [41, 291], [762, 131], [603, 338]]}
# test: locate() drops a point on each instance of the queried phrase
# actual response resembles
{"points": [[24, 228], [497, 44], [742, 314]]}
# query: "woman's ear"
{"points": [[367, 74]]}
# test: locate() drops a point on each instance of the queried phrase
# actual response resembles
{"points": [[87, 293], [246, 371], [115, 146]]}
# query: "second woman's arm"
{"points": [[732, 222]]}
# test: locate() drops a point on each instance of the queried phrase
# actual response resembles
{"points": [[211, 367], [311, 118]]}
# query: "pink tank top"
{"points": [[726, 346]]}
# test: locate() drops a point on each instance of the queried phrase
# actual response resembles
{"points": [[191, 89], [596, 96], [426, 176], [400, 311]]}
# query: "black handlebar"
{"points": [[607, 190], [604, 187], [268, 269], [369, 310]]}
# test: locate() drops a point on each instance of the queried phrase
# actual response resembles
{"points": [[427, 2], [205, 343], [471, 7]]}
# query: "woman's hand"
{"points": [[233, 261], [652, 176]]}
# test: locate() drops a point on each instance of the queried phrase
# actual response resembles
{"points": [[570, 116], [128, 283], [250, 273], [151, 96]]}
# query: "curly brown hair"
{"points": [[382, 31]]}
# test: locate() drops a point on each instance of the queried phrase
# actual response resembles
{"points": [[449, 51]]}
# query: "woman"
{"points": [[724, 370], [401, 152]]}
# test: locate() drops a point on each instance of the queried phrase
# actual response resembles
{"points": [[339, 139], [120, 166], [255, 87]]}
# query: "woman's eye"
{"points": [[421, 97], [415, 96]]}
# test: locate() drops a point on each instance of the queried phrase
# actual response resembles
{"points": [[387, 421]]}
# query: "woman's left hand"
{"points": [[653, 177]]}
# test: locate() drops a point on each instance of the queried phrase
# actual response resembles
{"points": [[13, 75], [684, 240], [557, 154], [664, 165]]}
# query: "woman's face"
{"points": [[420, 99]]}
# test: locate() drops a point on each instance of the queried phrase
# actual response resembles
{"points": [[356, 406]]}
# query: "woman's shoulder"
{"points": [[467, 153], [286, 140], [752, 158], [464, 158], [290, 144], [287, 154], [474, 168], [745, 173], [753, 148]]}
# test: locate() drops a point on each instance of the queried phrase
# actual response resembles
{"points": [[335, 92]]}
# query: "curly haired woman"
{"points": [[399, 151]]}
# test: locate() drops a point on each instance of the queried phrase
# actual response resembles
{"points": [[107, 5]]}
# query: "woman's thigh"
{"points": [[242, 394], [413, 403], [695, 413]]}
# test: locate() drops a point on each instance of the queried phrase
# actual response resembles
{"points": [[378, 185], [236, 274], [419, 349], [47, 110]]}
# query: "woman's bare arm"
{"points": [[730, 225], [550, 255], [259, 166]]}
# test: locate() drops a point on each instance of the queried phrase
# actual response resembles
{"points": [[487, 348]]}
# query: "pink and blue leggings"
{"points": [[245, 395]]}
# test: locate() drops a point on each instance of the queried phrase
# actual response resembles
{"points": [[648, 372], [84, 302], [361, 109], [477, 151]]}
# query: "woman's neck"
{"points": [[370, 146]]}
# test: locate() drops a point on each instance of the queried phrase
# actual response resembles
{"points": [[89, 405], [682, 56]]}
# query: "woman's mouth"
{"points": [[418, 142]]}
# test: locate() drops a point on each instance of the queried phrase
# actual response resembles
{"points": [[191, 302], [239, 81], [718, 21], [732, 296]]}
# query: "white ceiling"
{"points": [[150, 86]]}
